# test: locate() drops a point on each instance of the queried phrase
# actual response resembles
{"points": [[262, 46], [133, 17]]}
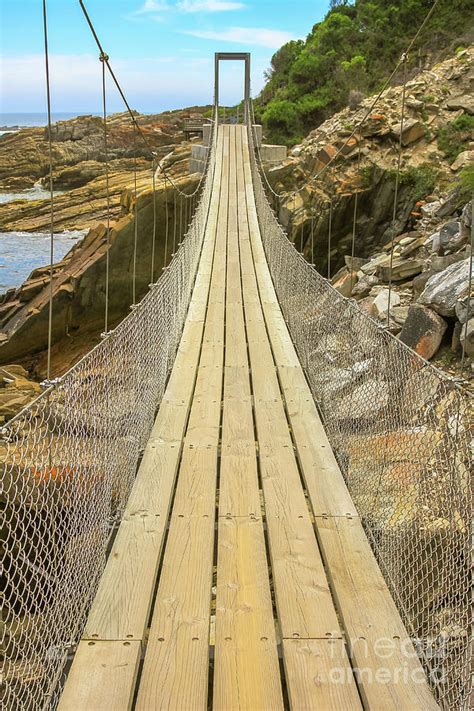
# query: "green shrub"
{"points": [[454, 137], [353, 49], [466, 180], [421, 179], [367, 173]]}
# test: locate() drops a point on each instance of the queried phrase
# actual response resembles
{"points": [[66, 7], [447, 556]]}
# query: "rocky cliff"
{"points": [[431, 233], [78, 148], [79, 279]]}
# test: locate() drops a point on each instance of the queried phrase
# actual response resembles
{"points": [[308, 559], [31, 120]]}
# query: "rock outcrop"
{"points": [[16, 390], [425, 252], [78, 148], [426, 165], [79, 279]]}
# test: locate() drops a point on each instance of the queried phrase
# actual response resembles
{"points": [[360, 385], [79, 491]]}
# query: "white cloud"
{"points": [[245, 35], [152, 6], [151, 84], [208, 5]]}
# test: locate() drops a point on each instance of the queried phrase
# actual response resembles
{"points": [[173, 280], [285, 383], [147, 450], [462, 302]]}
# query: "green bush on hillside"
{"points": [[352, 50], [454, 137]]}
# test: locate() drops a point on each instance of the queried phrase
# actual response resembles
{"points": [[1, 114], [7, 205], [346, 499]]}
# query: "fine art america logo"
{"points": [[387, 660]]}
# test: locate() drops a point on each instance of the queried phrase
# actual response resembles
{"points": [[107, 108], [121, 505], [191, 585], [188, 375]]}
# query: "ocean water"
{"points": [[36, 119], [35, 193], [21, 252]]}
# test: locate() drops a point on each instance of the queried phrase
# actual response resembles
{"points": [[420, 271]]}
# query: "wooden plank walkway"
{"points": [[241, 577]]}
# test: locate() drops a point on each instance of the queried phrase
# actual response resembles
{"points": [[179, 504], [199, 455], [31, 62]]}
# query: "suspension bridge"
{"points": [[249, 495]]}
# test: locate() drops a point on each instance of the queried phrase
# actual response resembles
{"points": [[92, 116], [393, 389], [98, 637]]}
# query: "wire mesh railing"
{"points": [[402, 432], [69, 462]]}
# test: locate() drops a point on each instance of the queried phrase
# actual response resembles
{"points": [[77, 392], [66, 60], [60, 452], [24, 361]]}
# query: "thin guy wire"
{"points": [[329, 237], [468, 312], [397, 184], [107, 191], [166, 224], [135, 231], [175, 221], [51, 196], [154, 226], [354, 219]]}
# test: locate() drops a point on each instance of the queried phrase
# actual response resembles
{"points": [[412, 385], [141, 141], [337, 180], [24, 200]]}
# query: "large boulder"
{"points": [[412, 131], [423, 330], [463, 159], [449, 237], [381, 301], [443, 290], [464, 102]]}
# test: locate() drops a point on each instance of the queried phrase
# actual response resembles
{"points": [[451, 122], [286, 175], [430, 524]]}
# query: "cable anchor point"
{"points": [[49, 383], [103, 57]]}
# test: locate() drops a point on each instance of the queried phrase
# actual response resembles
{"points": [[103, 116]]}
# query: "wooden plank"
{"points": [[246, 668], [102, 677], [122, 604], [319, 676], [121, 608], [365, 605], [304, 603], [387, 668], [326, 487], [175, 669]]}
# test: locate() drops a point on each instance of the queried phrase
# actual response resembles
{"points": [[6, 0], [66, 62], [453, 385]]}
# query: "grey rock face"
{"points": [[443, 290], [467, 337], [411, 132], [464, 102]]}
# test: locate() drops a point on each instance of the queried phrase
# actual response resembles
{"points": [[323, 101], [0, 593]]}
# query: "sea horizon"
{"points": [[30, 119]]}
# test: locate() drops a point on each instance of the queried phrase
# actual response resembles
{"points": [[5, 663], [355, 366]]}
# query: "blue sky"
{"points": [[161, 50]]}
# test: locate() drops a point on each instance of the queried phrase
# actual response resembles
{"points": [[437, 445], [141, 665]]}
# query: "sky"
{"points": [[161, 50]]}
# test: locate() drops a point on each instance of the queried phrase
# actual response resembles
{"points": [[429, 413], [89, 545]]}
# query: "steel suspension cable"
{"points": [[129, 109]]}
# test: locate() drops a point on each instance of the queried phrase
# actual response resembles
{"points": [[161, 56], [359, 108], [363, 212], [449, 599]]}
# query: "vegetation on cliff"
{"points": [[349, 55]]}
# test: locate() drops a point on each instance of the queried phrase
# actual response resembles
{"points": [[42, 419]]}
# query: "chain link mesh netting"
{"points": [[402, 433], [70, 460]]}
